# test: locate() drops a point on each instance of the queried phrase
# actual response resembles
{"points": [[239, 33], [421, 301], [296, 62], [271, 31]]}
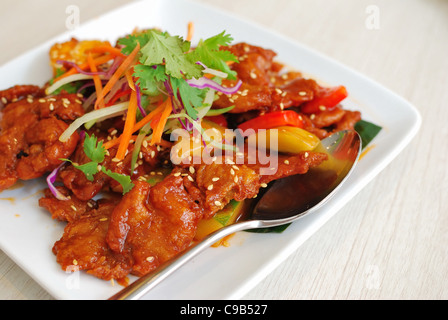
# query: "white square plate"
{"points": [[27, 232]]}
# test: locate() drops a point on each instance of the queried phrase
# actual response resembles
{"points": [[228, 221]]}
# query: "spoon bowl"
{"points": [[283, 201]]}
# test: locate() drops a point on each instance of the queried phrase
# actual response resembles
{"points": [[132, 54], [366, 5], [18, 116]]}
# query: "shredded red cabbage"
{"points": [[205, 82], [51, 180]]}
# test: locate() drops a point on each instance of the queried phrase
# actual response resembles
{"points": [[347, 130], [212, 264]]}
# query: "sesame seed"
{"points": [[302, 93], [78, 101], [73, 207], [263, 185], [114, 132], [306, 154], [75, 262], [215, 179], [253, 75], [177, 174], [278, 90], [41, 100], [150, 259], [190, 178], [191, 169], [286, 161], [4, 101], [218, 203], [103, 219], [51, 107], [312, 116], [160, 173], [322, 108], [115, 160], [145, 143], [210, 187], [282, 106], [235, 179], [30, 100], [153, 153], [232, 172], [99, 167], [235, 167]]}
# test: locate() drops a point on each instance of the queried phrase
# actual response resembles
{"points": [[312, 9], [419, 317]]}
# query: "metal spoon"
{"points": [[317, 186]]}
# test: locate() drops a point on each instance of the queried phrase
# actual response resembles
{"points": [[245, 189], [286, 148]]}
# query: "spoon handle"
{"points": [[144, 284]]}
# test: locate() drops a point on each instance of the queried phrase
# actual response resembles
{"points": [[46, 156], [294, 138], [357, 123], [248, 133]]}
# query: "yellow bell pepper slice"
{"points": [[286, 139], [228, 215]]}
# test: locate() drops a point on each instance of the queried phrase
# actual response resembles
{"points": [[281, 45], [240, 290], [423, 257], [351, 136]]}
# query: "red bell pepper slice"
{"points": [[325, 99], [273, 120]]}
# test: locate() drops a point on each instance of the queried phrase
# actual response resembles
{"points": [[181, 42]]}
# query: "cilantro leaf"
{"points": [[130, 42], [124, 180], [89, 169], [169, 50], [150, 77], [209, 53], [94, 150], [190, 96]]}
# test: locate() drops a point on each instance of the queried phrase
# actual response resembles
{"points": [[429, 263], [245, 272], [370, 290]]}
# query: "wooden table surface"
{"points": [[391, 240]]}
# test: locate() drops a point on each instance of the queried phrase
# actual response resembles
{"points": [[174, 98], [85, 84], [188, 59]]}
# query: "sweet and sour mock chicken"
{"points": [[99, 131]]}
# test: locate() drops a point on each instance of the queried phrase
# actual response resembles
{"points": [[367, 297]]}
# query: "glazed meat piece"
{"points": [[264, 87], [217, 184], [326, 122], [20, 91], [67, 210], [152, 225], [83, 246], [30, 128]]}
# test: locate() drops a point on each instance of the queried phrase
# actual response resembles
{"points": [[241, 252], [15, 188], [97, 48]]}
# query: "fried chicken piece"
{"points": [[19, 91], [264, 87], [153, 224], [67, 210], [83, 246], [326, 122], [30, 128]]}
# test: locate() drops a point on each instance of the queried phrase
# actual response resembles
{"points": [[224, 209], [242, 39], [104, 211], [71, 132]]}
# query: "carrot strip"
{"points": [[190, 31], [107, 49], [96, 79], [128, 125], [118, 73], [84, 66], [111, 143], [128, 75], [157, 134]]}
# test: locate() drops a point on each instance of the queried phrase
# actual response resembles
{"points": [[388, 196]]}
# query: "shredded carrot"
{"points": [[109, 144], [128, 75], [157, 134], [128, 126], [96, 78], [190, 31], [84, 66], [107, 49], [118, 73]]}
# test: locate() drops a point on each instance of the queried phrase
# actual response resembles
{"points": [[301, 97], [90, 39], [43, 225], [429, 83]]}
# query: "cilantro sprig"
{"points": [[96, 152], [168, 61]]}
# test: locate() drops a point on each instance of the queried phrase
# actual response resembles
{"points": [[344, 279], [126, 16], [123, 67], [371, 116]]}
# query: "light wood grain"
{"points": [[390, 241]]}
